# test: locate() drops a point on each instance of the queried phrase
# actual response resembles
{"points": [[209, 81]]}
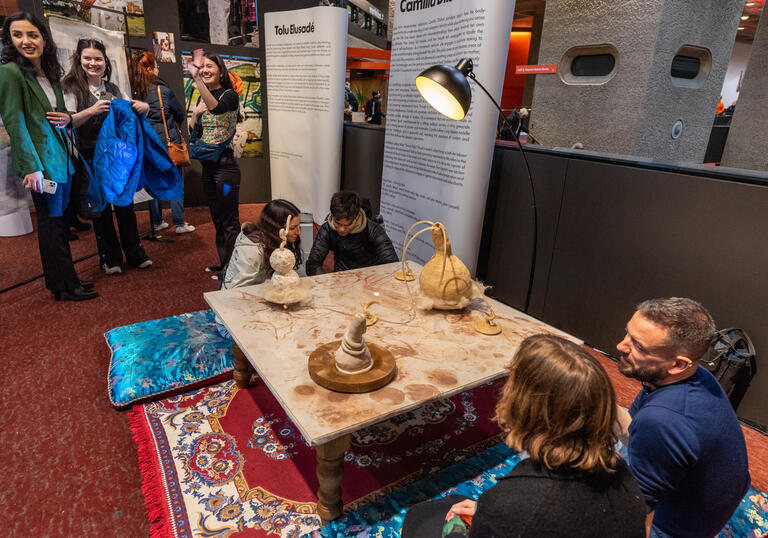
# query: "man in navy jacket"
{"points": [[685, 446]]}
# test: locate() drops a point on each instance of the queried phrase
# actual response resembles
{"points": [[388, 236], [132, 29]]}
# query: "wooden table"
{"points": [[438, 354]]}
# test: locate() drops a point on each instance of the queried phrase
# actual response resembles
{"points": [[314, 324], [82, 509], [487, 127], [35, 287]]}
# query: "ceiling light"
{"points": [[741, 27], [744, 17], [750, 4]]}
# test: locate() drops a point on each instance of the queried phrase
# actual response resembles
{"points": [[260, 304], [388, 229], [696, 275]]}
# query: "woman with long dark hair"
{"points": [[214, 120], [249, 263], [558, 407], [145, 83], [89, 81], [30, 94]]}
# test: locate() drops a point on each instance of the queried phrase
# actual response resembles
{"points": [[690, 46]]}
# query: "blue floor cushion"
{"points": [[164, 356]]}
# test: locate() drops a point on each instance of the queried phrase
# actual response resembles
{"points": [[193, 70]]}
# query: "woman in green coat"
{"points": [[33, 111]]}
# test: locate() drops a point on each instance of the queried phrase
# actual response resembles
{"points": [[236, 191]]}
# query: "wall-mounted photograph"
{"points": [[221, 22], [164, 48], [106, 14]]}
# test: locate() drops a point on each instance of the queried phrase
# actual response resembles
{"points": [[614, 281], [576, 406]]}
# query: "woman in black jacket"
{"points": [[145, 84], [558, 405], [89, 84]]}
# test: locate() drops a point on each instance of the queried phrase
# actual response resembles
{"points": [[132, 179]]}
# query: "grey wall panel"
{"points": [[627, 234], [508, 245], [362, 161]]}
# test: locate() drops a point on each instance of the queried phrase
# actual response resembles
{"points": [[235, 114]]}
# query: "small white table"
{"points": [[438, 354]]}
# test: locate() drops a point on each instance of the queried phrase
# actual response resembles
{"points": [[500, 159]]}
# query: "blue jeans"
{"points": [[156, 212]]}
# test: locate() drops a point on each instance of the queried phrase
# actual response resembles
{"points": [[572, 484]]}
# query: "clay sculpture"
{"points": [[353, 355], [285, 287]]}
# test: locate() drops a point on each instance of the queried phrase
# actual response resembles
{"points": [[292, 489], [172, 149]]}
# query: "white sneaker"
{"points": [[162, 226], [185, 229], [145, 264], [113, 270]]}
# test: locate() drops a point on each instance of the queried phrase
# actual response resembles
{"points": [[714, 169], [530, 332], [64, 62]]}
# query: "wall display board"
{"points": [[436, 168], [87, 11], [248, 138], [305, 55], [66, 33]]}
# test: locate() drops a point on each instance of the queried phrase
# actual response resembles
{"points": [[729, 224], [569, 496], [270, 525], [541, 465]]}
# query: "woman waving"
{"points": [[213, 122]]}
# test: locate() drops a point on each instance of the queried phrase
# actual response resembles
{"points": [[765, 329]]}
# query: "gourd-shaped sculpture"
{"points": [[445, 279], [353, 356], [282, 261], [285, 287]]}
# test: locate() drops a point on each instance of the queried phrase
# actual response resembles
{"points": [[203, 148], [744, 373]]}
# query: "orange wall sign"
{"points": [[544, 69]]}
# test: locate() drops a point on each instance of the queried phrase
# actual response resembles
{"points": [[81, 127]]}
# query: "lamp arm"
{"points": [[533, 192]]}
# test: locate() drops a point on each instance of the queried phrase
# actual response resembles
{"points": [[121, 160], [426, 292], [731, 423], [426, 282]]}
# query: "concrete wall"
{"points": [[747, 145], [633, 112]]}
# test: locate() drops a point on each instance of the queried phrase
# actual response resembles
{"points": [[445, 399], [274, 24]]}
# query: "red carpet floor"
{"points": [[71, 465]]}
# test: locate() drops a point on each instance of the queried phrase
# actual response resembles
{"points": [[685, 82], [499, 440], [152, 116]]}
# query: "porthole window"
{"points": [[589, 64], [690, 66], [592, 65], [685, 67]]}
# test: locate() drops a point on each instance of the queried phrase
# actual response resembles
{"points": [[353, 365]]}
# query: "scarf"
{"points": [[358, 225]]}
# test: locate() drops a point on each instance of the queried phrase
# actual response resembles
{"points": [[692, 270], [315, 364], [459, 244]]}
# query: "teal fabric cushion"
{"points": [[164, 356]]}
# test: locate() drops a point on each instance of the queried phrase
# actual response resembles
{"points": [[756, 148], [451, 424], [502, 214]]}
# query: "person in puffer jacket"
{"points": [[254, 245], [355, 239]]}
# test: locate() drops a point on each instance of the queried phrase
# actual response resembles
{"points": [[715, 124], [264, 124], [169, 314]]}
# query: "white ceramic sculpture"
{"points": [[285, 287], [353, 356]]}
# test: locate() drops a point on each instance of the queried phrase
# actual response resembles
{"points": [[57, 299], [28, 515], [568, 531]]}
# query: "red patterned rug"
{"points": [[227, 462]]}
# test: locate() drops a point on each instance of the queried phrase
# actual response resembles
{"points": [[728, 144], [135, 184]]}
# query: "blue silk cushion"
{"points": [[163, 356]]}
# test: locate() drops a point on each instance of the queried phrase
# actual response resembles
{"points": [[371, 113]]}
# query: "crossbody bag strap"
{"points": [[162, 111]]}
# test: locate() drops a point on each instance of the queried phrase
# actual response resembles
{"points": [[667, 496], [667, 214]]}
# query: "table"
{"points": [[438, 354]]}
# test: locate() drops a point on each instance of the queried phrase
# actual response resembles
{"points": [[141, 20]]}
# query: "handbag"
{"points": [[177, 151]]}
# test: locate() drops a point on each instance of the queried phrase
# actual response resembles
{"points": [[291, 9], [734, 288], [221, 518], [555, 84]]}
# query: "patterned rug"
{"points": [[219, 461], [383, 516]]}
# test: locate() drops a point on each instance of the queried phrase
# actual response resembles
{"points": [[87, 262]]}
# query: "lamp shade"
{"points": [[446, 89]]}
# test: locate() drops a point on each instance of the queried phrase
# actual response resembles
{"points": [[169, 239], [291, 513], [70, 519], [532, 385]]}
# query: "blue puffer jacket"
{"points": [[129, 156]]}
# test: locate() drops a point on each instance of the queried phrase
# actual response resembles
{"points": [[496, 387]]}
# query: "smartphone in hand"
{"points": [[49, 186]]}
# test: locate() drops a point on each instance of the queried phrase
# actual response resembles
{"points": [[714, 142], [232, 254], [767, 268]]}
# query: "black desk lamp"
{"points": [[447, 90]]}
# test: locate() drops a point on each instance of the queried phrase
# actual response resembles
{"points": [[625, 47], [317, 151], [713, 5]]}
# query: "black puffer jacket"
{"points": [[369, 247], [174, 112]]}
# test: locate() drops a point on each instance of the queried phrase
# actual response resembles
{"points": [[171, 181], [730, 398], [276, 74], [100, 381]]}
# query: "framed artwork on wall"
{"points": [[106, 14], [221, 22]]}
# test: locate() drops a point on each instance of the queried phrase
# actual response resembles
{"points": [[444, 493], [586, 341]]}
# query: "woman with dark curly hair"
{"points": [[34, 113], [558, 408]]}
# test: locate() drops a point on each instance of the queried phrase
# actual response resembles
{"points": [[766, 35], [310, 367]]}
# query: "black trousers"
{"points": [[221, 184], [58, 269], [110, 245]]}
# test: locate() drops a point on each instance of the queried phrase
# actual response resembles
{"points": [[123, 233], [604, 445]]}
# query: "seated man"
{"points": [[686, 447], [356, 240]]}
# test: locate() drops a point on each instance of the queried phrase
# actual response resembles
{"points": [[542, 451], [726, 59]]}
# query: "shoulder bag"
{"points": [[177, 151], [203, 151]]}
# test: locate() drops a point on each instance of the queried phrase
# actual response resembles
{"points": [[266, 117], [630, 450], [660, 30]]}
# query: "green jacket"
{"points": [[36, 145]]}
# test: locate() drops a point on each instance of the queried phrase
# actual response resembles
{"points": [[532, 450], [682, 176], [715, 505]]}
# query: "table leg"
{"points": [[243, 368], [330, 471]]}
